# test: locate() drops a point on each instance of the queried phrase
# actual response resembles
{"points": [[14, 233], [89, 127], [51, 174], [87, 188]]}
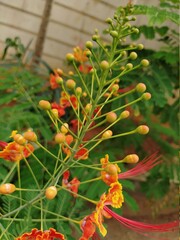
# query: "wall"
{"points": [[72, 22]]}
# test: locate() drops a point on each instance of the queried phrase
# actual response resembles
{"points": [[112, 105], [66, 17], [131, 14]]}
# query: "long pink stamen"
{"points": [[142, 167], [141, 227]]}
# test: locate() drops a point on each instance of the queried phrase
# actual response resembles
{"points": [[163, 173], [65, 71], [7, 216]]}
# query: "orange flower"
{"points": [[73, 185], [36, 234], [88, 228], [115, 196], [80, 55], [110, 173], [67, 100], [15, 152]]}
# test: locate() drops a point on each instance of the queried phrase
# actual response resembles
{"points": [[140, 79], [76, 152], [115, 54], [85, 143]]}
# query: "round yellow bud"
{"points": [[142, 129], [19, 139], [65, 128], [7, 188], [111, 117], [51, 192], [45, 105], [107, 134], [60, 138], [30, 136], [132, 158]]}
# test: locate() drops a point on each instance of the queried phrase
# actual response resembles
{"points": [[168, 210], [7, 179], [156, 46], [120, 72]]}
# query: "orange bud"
{"points": [[19, 139], [45, 105], [140, 87], [132, 158], [104, 65], [60, 138], [51, 192], [111, 117], [7, 188], [70, 84], [30, 136], [142, 129], [78, 90], [111, 169], [124, 114], [146, 96], [69, 139], [107, 134]]}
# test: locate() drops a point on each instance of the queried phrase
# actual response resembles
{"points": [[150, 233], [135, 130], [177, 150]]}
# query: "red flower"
{"points": [[73, 185], [36, 234], [67, 100], [84, 68], [142, 167], [15, 152], [61, 111], [82, 153], [88, 228], [141, 227], [53, 82]]}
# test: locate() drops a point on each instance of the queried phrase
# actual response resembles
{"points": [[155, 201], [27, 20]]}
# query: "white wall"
{"points": [[72, 22]]}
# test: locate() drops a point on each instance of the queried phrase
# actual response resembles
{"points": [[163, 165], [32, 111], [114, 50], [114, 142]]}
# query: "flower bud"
{"points": [[111, 117], [114, 34], [18, 138], [88, 53], [70, 83], [135, 30], [104, 65], [111, 169], [88, 108], [95, 37], [59, 80], [146, 96], [133, 55], [107, 134], [70, 57], [109, 20], [69, 139], [51, 192], [55, 113], [145, 63], [78, 91], [7, 188], [59, 71], [60, 138], [115, 88], [142, 129], [45, 105], [124, 114], [30, 136], [89, 44], [140, 87], [140, 46], [132, 158], [129, 66], [65, 128]]}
